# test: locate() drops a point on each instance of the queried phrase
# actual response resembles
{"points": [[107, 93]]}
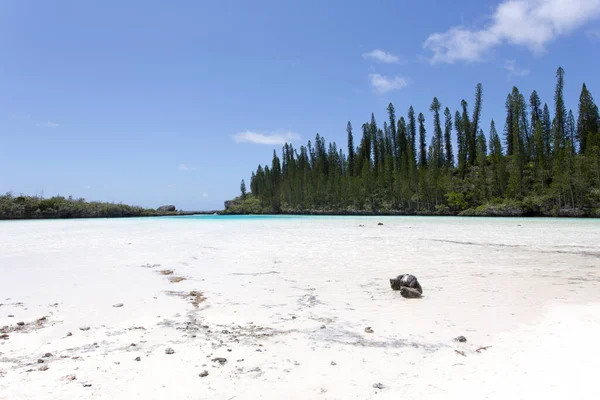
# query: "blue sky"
{"points": [[153, 102]]}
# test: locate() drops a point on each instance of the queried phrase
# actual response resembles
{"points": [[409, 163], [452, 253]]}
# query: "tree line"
{"points": [[38, 207], [541, 164]]}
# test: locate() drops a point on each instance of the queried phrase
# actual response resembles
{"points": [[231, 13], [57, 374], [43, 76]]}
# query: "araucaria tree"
{"points": [[544, 163]]}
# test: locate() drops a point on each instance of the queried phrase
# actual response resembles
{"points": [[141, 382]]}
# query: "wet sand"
{"points": [[285, 301]]}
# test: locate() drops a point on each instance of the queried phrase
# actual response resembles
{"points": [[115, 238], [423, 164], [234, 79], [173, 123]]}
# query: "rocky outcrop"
{"points": [[409, 293], [168, 208]]}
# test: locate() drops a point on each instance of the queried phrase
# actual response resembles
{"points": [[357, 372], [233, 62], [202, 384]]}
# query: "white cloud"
{"points": [[383, 84], [266, 138], [183, 167], [511, 66], [382, 56], [48, 124], [529, 23], [205, 195]]}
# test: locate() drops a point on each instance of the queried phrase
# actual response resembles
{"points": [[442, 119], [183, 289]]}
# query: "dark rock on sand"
{"points": [[379, 223], [406, 280], [21, 323], [169, 350], [378, 385], [69, 334], [138, 359], [84, 328], [461, 339], [220, 360], [409, 293], [118, 305], [204, 374], [47, 355], [40, 361], [10, 316], [368, 329]]}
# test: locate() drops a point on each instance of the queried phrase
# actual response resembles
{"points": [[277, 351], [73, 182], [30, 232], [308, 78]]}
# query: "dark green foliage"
{"points": [[243, 189], [36, 207], [540, 173]]}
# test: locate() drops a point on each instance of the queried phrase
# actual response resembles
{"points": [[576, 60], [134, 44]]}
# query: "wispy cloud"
{"points": [[511, 66], [529, 23], [266, 138], [381, 56], [593, 34], [184, 167], [383, 84]]}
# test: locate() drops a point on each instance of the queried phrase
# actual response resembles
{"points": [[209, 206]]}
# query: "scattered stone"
{"points": [[204, 374], [40, 361], [333, 363], [229, 350], [293, 317], [380, 223], [409, 293], [10, 316], [176, 279], [169, 350], [47, 355], [69, 334], [20, 323], [87, 385], [323, 327], [462, 353], [133, 344], [166, 272], [4, 336], [118, 305], [220, 360], [461, 339], [240, 360], [43, 368], [84, 328], [368, 329], [138, 359], [71, 377], [379, 385], [406, 280]]}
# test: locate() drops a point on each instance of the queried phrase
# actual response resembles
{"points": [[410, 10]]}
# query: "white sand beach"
{"points": [[279, 306]]}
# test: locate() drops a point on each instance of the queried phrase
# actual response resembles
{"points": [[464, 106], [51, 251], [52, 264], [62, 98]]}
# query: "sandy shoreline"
{"points": [[286, 302]]}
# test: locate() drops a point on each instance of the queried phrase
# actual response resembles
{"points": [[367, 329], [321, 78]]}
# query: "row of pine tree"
{"points": [[543, 162]]}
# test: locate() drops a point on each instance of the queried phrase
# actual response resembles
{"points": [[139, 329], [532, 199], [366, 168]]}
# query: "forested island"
{"points": [[542, 165], [38, 207]]}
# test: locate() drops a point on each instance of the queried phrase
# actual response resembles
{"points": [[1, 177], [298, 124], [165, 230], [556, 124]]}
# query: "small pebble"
{"points": [[47, 355], [118, 305], [323, 327], [169, 350], [44, 368], [69, 334], [220, 360], [84, 328], [69, 378], [10, 316], [229, 350], [203, 374], [378, 385], [138, 359], [87, 385], [21, 323], [461, 339], [368, 329], [40, 361], [333, 363]]}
